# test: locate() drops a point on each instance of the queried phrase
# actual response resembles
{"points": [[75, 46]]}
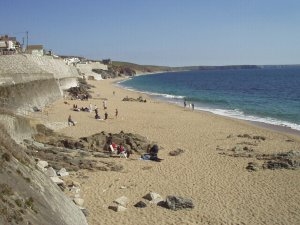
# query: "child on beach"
{"points": [[70, 121]]}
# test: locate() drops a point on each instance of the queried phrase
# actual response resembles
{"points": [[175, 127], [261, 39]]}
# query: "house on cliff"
{"points": [[8, 45], [37, 50]]}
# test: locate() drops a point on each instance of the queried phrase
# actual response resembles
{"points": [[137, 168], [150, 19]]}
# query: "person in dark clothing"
{"points": [[153, 152], [70, 121], [105, 115]]}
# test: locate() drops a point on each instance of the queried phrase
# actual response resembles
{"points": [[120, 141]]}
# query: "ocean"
{"points": [[268, 95]]}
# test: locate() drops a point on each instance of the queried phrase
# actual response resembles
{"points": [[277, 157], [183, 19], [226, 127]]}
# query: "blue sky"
{"points": [[161, 32]]}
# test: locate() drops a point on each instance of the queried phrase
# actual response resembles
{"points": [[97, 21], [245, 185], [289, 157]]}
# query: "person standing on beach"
{"points": [[70, 121], [184, 103], [116, 115], [105, 115], [193, 106], [104, 104]]}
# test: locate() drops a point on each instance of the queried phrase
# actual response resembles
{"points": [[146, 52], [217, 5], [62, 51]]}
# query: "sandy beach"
{"points": [[221, 188]]}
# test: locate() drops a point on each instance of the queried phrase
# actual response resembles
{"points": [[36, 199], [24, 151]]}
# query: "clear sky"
{"points": [[161, 32]]}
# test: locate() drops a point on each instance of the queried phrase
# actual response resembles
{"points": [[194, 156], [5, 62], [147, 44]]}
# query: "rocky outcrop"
{"points": [[177, 203], [27, 195], [139, 99], [282, 160]]}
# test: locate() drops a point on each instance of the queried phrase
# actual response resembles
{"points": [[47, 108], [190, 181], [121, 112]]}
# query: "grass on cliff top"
{"points": [[145, 68]]}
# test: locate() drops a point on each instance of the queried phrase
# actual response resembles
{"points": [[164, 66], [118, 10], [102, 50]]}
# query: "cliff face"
{"points": [[27, 195]]}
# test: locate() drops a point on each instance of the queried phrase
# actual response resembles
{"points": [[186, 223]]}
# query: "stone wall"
{"points": [[28, 81]]}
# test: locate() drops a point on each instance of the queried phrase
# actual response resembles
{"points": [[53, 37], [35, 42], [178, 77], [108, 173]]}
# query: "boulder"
{"points": [[42, 164], [177, 203], [50, 172], [57, 180], [78, 201], [63, 172], [140, 204], [153, 197], [176, 152], [123, 201], [117, 208]]}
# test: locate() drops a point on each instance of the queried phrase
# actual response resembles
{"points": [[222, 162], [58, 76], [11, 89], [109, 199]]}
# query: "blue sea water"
{"points": [[264, 95]]}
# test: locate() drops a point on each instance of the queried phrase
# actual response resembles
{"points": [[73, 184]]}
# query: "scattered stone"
{"points": [[78, 201], [50, 172], [176, 152], [283, 160], [63, 172], [153, 197], [85, 211], [252, 166], [177, 203], [123, 201], [57, 180], [244, 136], [139, 99], [259, 138], [140, 204], [42, 164]]}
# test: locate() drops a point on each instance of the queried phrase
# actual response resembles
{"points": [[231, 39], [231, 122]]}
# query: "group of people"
{"points": [[91, 109], [152, 151], [191, 105]]}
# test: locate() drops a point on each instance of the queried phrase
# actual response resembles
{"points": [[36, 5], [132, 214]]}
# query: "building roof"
{"points": [[35, 47]]}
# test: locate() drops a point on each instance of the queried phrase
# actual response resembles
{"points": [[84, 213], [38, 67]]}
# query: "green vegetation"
{"points": [[29, 203], [142, 68], [5, 190], [19, 202]]}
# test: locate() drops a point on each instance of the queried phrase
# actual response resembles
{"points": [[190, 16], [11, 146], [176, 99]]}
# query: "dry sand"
{"points": [[223, 191]]}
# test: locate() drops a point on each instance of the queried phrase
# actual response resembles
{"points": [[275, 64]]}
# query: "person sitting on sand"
{"points": [[121, 149], [152, 154], [97, 117], [70, 121]]}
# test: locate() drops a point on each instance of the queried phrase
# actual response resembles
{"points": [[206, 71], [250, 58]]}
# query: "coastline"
{"points": [[272, 127], [223, 191]]}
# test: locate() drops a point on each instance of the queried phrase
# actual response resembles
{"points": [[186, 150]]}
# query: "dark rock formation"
{"points": [[140, 204], [283, 160], [139, 99], [177, 203], [176, 152]]}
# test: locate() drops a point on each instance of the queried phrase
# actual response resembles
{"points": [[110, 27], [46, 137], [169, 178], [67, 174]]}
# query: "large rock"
{"points": [[123, 201], [63, 172], [78, 201], [57, 180], [153, 197], [177, 203], [42, 164], [51, 172]]}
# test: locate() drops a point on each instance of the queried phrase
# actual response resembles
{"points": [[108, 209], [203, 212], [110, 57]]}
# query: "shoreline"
{"points": [[272, 127]]}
